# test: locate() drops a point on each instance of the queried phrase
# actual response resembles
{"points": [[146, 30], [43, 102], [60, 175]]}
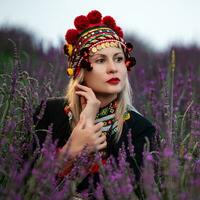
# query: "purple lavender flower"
{"points": [[167, 152], [99, 192], [130, 144]]}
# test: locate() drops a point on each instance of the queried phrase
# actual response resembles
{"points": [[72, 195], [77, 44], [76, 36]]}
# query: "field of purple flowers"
{"points": [[166, 89]]}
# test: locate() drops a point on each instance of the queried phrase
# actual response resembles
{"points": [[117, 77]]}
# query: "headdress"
{"points": [[93, 33]]}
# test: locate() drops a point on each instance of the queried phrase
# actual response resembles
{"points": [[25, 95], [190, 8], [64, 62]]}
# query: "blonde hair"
{"points": [[124, 100]]}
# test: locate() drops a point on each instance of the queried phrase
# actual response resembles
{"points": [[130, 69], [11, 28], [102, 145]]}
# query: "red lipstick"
{"points": [[113, 81]]}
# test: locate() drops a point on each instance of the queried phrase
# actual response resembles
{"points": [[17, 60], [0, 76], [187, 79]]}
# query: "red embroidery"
{"points": [[95, 167]]}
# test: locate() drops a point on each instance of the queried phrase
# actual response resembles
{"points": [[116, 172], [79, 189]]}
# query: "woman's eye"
{"points": [[119, 59], [100, 60]]}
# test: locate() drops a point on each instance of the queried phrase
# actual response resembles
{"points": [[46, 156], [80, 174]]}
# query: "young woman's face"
{"points": [[109, 72]]}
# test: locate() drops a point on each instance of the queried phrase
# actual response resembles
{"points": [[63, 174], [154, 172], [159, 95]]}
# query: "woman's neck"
{"points": [[105, 100]]}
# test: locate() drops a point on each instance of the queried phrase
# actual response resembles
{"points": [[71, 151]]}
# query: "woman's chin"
{"points": [[108, 93]]}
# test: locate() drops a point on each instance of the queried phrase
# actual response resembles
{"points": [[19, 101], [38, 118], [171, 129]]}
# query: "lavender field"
{"points": [[166, 89]]}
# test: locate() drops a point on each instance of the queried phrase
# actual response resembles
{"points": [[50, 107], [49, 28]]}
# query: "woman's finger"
{"points": [[81, 122], [83, 102], [99, 133], [83, 87], [97, 127], [101, 146], [101, 139], [83, 93], [86, 89]]}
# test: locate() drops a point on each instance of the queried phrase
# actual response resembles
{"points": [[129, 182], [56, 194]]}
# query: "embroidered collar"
{"points": [[107, 116]]}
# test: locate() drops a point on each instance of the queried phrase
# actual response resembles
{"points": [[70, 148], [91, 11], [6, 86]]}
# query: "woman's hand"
{"points": [[82, 137], [90, 104]]}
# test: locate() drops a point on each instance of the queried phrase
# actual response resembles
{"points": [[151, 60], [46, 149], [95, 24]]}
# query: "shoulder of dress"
{"points": [[56, 103], [57, 100], [137, 122], [52, 107]]}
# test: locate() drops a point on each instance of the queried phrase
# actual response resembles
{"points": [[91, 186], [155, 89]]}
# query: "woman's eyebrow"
{"points": [[97, 55], [119, 53]]}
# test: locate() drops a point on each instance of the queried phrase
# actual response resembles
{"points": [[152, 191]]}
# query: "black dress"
{"points": [[139, 126]]}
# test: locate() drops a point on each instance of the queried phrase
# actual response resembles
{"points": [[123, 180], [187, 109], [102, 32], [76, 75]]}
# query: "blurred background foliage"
{"points": [[147, 78]]}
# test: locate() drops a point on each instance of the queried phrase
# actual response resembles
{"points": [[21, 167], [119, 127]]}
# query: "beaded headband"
{"points": [[92, 34]]}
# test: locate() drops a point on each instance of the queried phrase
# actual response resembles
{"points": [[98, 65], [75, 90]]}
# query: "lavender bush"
{"points": [[166, 88]]}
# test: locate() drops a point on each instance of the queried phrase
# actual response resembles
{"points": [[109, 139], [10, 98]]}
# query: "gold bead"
{"points": [[99, 47], [115, 44], [112, 44], [94, 49], [107, 44], [103, 45], [70, 49], [126, 116], [70, 72]]}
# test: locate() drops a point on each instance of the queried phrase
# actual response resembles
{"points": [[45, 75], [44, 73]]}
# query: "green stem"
{"points": [[182, 121], [5, 113], [172, 69]]}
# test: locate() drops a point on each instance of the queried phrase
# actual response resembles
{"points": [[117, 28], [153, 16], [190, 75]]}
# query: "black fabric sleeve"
{"points": [[51, 113], [41, 121], [139, 143]]}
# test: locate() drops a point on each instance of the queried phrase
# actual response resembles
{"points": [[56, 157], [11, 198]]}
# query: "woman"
{"points": [[97, 112]]}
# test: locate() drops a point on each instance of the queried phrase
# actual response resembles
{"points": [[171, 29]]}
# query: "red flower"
{"points": [[130, 62], [94, 17], [119, 31], [71, 36], [129, 46], [109, 21], [81, 22]]}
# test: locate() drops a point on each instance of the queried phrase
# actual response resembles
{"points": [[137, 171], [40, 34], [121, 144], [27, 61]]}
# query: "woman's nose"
{"points": [[111, 68]]}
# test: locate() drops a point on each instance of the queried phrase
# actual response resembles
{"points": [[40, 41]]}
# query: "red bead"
{"points": [[66, 109]]}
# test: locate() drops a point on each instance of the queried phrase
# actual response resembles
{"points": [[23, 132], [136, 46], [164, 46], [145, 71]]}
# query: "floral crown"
{"points": [[92, 34]]}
